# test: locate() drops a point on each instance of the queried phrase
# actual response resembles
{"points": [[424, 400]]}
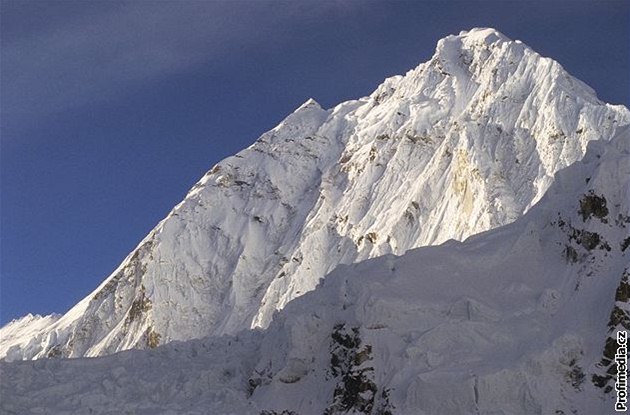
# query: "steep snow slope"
{"points": [[514, 320], [511, 321], [463, 143]]}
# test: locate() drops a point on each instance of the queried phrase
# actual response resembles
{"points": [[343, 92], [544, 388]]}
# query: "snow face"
{"points": [[510, 321], [463, 143]]}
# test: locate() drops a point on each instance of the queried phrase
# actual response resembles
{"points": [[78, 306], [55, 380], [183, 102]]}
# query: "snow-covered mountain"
{"points": [[515, 320], [463, 143]]}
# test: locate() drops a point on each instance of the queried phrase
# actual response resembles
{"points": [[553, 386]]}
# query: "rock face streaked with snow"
{"points": [[511, 321], [461, 144]]}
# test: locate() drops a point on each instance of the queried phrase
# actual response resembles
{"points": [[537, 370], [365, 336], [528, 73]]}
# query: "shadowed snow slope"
{"points": [[512, 321], [463, 143]]}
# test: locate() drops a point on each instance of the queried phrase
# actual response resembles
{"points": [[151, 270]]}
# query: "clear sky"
{"points": [[111, 111]]}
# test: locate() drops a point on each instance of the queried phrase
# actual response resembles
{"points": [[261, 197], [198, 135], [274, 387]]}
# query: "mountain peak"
{"points": [[309, 103], [472, 44], [309, 115], [463, 143], [486, 35]]}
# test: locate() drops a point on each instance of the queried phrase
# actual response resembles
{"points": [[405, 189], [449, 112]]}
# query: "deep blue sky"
{"points": [[110, 111]]}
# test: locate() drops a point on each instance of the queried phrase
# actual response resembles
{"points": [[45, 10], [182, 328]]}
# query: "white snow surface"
{"points": [[465, 142], [506, 322]]}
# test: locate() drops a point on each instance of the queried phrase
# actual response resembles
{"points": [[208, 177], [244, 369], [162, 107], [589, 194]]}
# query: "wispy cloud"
{"points": [[81, 54]]}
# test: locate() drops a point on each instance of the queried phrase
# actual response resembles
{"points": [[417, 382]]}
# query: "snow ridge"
{"points": [[465, 142]]}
